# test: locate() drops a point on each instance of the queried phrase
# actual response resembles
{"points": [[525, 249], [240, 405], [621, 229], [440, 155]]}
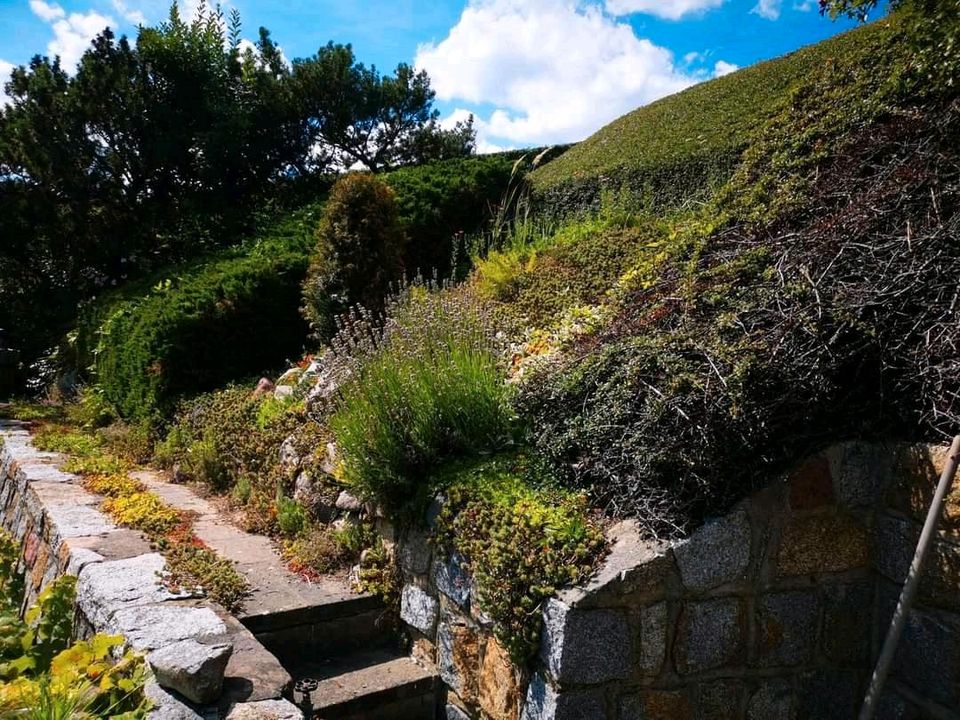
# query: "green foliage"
{"points": [[98, 464], [522, 539], [144, 511], [359, 251], [291, 516], [32, 412], [325, 550], [194, 567], [681, 148], [430, 390], [64, 439]]}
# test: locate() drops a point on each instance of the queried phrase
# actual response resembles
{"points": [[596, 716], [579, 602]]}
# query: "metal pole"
{"points": [[910, 587]]}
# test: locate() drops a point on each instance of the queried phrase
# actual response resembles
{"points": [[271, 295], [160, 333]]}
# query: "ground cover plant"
{"points": [[44, 674]]}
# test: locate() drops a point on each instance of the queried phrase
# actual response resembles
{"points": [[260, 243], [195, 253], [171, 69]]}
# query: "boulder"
{"points": [[191, 668]]}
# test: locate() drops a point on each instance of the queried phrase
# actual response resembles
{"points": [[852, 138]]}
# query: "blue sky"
{"points": [[531, 71]]}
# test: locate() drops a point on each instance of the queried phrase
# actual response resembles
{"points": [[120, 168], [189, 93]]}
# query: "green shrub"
{"points": [[291, 516], [224, 318], [324, 550], [359, 251], [522, 540], [430, 390]]}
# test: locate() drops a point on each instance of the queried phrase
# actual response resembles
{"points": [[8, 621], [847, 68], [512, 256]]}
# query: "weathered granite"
{"points": [[418, 609], [193, 669]]}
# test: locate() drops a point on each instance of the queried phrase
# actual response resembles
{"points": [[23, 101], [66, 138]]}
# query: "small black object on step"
{"points": [[305, 686]]}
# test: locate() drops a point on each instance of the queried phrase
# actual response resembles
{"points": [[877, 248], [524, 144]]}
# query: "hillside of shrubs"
{"points": [[591, 351]]}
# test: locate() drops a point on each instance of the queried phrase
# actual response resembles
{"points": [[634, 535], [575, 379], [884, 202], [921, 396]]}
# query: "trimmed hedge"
{"points": [[221, 319], [678, 149]]}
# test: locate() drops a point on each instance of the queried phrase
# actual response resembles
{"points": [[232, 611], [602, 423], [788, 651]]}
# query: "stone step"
{"points": [[374, 685]]}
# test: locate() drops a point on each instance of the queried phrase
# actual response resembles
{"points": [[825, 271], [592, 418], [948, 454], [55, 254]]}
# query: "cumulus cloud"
{"points": [[5, 69], [554, 71], [131, 15], [666, 9], [721, 68], [71, 33], [769, 9]]}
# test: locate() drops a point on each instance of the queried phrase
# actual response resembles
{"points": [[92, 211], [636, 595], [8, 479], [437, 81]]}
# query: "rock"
{"points": [[665, 705], [545, 703], [415, 553], [653, 638], [192, 669], [458, 657], [283, 392], [846, 628], [822, 543], [452, 712], [717, 699], [773, 701], [786, 628], [347, 502], [329, 463], [452, 579], [418, 609], [265, 710], [860, 471], [928, 657], [289, 457], [151, 627], [498, 692], [585, 646], [264, 387], [166, 706], [709, 635], [177, 475], [105, 587], [716, 554], [290, 377], [811, 484], [829, 695]]}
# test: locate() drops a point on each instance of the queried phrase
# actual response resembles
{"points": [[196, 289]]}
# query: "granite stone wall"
{"points": [[774, 611]]}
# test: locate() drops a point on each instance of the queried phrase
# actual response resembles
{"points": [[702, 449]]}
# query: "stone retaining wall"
{"points": [[775, 611], [191, 645]]}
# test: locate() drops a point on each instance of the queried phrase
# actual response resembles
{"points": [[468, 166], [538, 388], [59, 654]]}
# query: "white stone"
{"points": [[154, 626], [418, 609], [191, 668]]}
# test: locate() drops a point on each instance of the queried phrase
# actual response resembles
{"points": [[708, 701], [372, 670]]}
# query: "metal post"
{"points": [[305, 686], [910, 587]]}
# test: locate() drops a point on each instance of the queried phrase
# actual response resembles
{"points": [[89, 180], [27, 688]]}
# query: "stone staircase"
{"points": [[289, 629]]}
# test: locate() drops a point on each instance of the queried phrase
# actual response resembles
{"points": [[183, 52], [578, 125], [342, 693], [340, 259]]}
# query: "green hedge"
{"points": [[225, 318]]}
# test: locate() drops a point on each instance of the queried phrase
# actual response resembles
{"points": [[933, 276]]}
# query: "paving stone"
{"points": [[544, 703], [709, 635], [585, 646], [192, 669], [786, 628], [418, 609], [773, 701], [829, 694], [811, 484], [847, 624], [458, 657], [653, 638], [716, 554], [452, 579], [148, 627], [265, 710], [822, 544]]}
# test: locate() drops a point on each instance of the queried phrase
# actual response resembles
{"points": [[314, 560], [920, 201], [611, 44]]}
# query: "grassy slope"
{"points": [[709, 123]]}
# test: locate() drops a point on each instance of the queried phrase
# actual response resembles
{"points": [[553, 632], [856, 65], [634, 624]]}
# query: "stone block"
{"points": [[415, 554], [940, 584], [265, 710], [104, 588], [719, 700], [829, 694], [630, 707], [653, 638], [894, 543], [774, 700], [928, 658], [498, 689], [149, 627], [451, 578], [786, 628], [665, 705], [543, 702], [860, 471], [811, 484], [847, 616], [585, 646], [192, 669], [822, 544], [167, 706], [418, 609], [916, 473], [716, 554], [452, 712], [710, 635], [458, 657]]}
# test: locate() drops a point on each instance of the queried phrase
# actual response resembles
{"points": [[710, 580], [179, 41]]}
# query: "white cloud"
{"points": [[131, 15], [769, 9], [721, 68], [5, 69], [667, 9], [71, 33], [48, 12], [554, 70], [805, 5]]}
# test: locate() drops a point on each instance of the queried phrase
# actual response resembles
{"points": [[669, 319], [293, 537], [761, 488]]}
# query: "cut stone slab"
{"points": [[585, 646], [166, 706], [716, 554], [265, 710], [104, 588], [149, 627], [418, 609], [192, 669]]}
